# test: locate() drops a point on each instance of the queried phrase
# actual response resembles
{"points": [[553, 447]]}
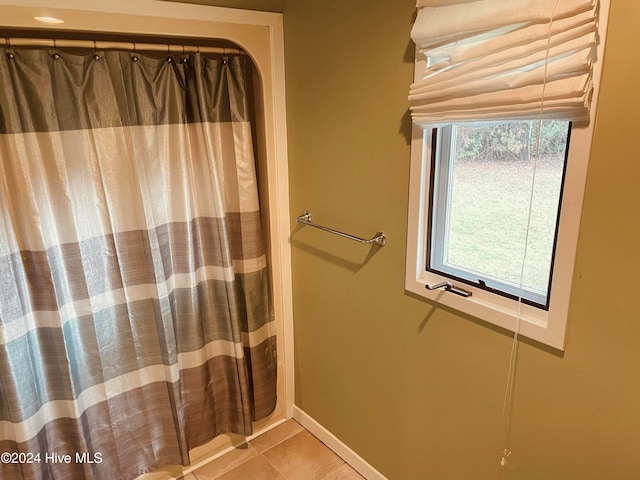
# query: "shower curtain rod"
{"points": [[112, 45]]}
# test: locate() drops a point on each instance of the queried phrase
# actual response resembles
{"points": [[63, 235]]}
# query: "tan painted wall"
{"points": [[415, 390]]}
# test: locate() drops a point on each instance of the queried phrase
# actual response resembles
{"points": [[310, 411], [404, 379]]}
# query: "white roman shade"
{"points": [[503, 59]]}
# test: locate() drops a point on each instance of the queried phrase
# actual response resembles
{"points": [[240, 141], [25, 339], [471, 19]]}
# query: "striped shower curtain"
{"points": [[135, 312]]}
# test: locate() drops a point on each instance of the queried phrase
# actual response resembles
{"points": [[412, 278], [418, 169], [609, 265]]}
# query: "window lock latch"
{"points": [[449, 287]]}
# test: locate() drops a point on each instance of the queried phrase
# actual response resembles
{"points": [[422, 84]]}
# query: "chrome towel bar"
{"points": [[379, 239]]}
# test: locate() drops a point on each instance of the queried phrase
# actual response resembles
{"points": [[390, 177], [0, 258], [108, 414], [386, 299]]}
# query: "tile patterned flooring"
{"points": [[288, 452]]}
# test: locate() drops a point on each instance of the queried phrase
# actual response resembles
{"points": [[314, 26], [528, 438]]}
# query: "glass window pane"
{"points": [[495, 176]]}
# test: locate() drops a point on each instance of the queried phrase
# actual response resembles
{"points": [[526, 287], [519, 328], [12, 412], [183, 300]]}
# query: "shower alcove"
{"points": [[259, 35]]}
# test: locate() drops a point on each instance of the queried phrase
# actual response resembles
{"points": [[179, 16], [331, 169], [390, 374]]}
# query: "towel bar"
{"points": [[379, 239]]}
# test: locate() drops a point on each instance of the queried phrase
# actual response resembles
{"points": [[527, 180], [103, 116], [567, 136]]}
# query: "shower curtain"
{"points": [[135, 313]]}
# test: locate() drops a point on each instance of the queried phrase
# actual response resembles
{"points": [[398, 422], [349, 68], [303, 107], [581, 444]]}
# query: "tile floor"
{"points": [[288, 452]]}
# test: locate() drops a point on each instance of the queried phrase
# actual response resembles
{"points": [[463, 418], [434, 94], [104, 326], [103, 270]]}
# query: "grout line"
{"points": [[335, 444], [231, 448], [275, 445], [283, 440], [281, 475], [273, 466]]}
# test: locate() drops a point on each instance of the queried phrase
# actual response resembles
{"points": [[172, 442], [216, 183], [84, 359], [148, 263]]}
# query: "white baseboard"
{"points": [[331, 441]]}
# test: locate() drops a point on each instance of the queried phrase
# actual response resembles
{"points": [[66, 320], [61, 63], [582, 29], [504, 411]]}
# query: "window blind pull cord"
{"points": [[507, 410]]}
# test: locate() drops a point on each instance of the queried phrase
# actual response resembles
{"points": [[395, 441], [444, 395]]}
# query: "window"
{"points": [[499, 156], [447, 243], [481, 228]]}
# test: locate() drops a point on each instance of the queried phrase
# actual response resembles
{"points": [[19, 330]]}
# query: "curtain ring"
{"points": [[135, 57], [96, 57], [55, 55], [184, 55], [10, 54]]}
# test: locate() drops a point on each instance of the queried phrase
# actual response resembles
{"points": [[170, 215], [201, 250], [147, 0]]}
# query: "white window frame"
{"points": [[545, 326]]}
